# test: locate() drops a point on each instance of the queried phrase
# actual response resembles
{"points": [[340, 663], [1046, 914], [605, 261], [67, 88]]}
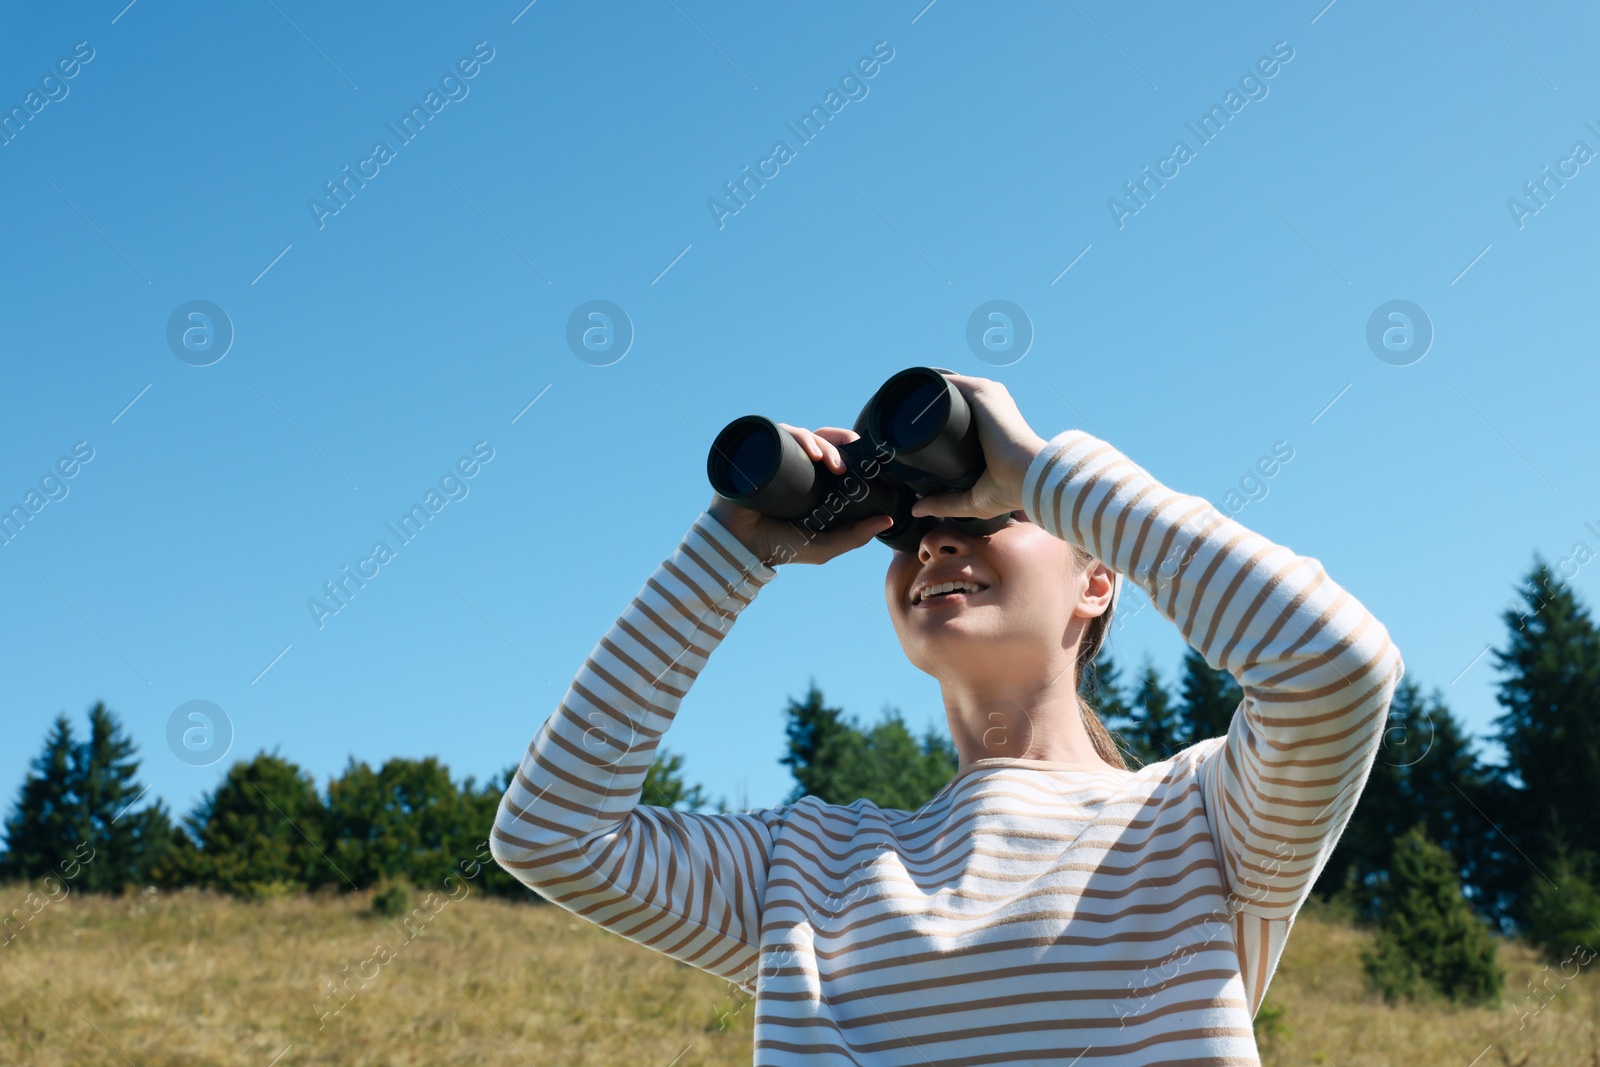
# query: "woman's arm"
{"points": [[1317, 671], [571, 826]]}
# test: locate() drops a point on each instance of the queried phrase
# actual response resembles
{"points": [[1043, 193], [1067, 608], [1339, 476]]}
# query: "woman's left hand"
{"points": [[1009, 445]]}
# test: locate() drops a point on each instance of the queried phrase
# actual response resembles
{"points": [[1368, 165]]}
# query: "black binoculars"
{"points": [[917, 438]]}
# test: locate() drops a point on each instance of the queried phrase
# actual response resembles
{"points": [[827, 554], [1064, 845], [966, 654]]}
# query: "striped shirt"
{"points": [[1032, 911]]}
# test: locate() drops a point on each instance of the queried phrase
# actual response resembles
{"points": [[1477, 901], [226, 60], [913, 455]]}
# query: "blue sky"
{"points": [[375, 345]]}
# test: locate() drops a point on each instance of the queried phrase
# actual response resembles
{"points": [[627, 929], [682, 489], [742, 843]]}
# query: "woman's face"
{"points": [[1018, 620]]}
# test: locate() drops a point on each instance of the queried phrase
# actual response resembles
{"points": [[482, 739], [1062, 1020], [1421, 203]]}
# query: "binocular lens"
{"points": [[744, 458], [915, 415]]}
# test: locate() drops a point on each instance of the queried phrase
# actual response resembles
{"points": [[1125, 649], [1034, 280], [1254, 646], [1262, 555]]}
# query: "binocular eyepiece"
{"points": [[917, 438]]}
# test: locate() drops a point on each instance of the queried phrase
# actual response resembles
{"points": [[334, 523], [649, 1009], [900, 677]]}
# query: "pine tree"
{"points": [[1210, 697], [74, 815], [1428, 940], [1447, 788], [1157, 731], [820, 740], [126, 842], [837, 761], [1565, 910], [1550, 727], [891, 769], [47, 823], [1424, 772], [664, 785], [1102, 690]]}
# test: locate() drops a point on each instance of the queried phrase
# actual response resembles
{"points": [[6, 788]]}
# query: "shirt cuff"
{"points": [[743, 563], [1038, 509]]}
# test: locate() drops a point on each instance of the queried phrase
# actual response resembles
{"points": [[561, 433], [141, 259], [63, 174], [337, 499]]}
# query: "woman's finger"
{"points": [[836, 461], [840, 541], [807, 440], [826, 449], [942, 504]]}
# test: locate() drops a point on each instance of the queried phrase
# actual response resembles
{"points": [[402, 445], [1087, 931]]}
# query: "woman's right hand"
{"points": [[776, 541]]}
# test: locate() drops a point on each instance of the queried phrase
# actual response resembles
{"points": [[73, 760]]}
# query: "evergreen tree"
{"points": [[664, 786], [819, 740], [260, 831], [1446, 788], [1157, 731], [1424, 772], [887, 766], [1102, 690], [1210, 697], [1565, 911], [127, 843], [1428, 940], [47, 823], [1550, 727], [835, 760], [74, 816]]}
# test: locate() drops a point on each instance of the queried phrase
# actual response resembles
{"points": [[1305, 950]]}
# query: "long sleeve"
{"points": [[571, 825], [1317, 672]]}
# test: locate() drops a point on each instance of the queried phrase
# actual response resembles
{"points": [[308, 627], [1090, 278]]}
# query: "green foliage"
{"points": [[127, 843], [1550, 728], [1210, 697], [1425, 772], [1154, 729], [1102, 691], [476, 866], [839, 762], [392, 900], [1565, 911], [75, 816], [46, 824], [408, 818], [664, 786], [1429, 942], [263, 824]]}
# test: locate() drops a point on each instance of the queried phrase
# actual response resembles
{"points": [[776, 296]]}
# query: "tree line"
{"points": [[1506, 848], [265, 829]]}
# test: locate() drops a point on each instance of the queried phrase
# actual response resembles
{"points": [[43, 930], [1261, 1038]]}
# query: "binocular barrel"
{"points": [[917, 437]]}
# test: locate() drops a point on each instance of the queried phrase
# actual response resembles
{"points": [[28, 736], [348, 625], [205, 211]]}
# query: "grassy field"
{"points": [[185, 979]]}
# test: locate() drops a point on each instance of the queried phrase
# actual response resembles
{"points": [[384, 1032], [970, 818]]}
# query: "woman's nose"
{"points": [[944, 538]]}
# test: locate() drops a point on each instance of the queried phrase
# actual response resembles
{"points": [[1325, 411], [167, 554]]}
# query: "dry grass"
{"points": [[1328, 1017], [190, 979], [181, 980]]}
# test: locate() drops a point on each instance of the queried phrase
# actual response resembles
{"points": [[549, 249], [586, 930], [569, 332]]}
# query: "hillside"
{"points": [[189, 979]]}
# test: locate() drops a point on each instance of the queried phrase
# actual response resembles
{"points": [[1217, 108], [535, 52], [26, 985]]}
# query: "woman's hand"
{"points": [[1009, 445], [776, 541]]}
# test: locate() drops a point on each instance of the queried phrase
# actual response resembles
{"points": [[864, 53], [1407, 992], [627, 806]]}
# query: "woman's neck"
{"points": [[1027, 720]]}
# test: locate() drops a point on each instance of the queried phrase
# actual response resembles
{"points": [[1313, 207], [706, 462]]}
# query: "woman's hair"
{"points": [[1088, 680]]}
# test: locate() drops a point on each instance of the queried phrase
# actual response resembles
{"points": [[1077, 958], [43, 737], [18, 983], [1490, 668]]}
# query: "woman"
{"points": [[1048, 905]]}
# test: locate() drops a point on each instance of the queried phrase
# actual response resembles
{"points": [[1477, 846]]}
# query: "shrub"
{"points": [[1429, 941], [1563, 916], [391, 900]]}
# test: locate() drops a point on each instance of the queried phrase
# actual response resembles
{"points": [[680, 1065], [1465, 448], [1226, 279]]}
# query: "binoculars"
{"points": [[917, 438]]}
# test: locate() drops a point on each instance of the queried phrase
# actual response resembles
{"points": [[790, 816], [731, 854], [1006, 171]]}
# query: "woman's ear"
{"points": [[1101, 587]]}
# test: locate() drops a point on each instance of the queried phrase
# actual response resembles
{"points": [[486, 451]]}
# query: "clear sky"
{"points": [[569, 154]]}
